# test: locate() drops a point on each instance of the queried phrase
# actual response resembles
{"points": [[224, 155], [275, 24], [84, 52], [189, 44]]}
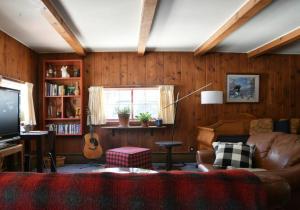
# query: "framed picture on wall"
{"points": [[242, 88]]}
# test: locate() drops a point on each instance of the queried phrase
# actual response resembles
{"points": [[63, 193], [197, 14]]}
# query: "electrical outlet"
{"points": [[192, 149]]}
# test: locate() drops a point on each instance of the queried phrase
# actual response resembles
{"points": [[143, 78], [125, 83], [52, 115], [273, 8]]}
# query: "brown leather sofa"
{"points": [[279, 154]]}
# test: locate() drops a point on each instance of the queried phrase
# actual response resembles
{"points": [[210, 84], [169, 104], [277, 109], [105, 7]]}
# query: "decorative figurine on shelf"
{"points": [[77, 111], [76, 72], [70, 90], [58, 114], [76, 91], [50, 71], [54, 72], [50, 110], [70, 112], [64, 72]]}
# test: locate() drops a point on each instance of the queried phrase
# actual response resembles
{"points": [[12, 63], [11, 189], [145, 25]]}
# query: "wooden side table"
{"points": [[16, 149], [39, 137]]}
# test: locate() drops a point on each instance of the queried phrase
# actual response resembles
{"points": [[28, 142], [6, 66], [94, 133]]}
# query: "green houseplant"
{"points": [[144, 118], [123, 114]]}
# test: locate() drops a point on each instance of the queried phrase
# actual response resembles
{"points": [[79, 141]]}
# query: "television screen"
{"points": [[9, 113]]}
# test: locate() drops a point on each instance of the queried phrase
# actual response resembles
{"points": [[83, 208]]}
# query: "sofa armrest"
{"points": [[203, 167], [291, 175], [205, 157]]}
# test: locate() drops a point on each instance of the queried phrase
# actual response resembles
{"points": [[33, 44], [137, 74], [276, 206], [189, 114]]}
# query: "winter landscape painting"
{"points": [[242, 88]]}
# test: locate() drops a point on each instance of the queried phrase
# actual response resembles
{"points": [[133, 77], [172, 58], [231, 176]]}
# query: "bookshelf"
{"points": [[63, 96]]}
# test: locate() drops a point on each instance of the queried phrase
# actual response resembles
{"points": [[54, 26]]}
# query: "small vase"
{"points": [[76, 91]]}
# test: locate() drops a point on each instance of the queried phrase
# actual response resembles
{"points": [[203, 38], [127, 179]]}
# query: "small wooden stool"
{"points": [[129, 157]]}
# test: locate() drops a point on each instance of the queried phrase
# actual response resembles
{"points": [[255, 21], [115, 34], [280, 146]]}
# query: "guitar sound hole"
{"points": [[94, 142]]}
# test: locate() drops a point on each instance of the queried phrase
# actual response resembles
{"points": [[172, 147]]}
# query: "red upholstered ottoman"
{"points": [[128, 157]]}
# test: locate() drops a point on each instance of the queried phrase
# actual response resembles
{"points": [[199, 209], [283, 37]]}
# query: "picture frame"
{"points": [[242, 88]]}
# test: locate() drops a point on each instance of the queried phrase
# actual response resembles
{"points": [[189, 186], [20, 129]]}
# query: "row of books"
{"points": [[65, 128], [54, 89]]}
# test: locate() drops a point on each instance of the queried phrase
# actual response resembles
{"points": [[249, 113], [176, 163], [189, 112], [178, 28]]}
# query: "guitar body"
{"points": [[92, 148]]}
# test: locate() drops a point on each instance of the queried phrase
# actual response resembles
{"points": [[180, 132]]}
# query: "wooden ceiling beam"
{"points": [[239, 18], [53, 17], [283, 40], [148, 12]]}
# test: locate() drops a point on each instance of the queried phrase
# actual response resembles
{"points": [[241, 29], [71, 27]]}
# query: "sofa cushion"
{"points": [[233, 139], [263, 143], [284, 152], [237, 155], [282, 126], [261, 126]]}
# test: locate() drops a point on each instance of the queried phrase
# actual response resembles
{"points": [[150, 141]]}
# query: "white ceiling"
{"points": [[277, 19], [22, 20], [179, 25]]}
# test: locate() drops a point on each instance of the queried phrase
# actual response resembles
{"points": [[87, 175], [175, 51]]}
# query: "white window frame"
{"points": [[132, 117]]}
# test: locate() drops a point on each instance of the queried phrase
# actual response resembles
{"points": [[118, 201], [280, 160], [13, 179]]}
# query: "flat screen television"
{"points": [[9, 114]]}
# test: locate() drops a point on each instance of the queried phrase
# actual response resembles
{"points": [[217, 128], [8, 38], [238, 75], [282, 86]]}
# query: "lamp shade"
{"points": [[211, 97]]}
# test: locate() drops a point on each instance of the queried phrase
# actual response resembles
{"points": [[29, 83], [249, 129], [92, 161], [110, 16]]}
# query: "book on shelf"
{"points": [[66, 128], [54, 89]]}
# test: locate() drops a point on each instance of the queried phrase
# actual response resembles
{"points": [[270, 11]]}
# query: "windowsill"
{"points": [[132, 127], [115, 123]]}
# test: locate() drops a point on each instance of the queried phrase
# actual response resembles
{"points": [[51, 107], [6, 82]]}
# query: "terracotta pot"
{"points": [[145, 124], [124, 120]]}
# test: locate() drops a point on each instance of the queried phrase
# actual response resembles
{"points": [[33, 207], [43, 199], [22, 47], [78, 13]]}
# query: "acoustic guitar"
{"points": [[92, 148]]}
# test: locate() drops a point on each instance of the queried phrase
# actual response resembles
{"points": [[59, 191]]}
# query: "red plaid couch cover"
{"points": [[222, 190], [129, 157]]}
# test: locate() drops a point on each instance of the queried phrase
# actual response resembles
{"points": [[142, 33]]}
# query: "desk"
{"points": [[39, 138], [168, 145], [13, 150]]}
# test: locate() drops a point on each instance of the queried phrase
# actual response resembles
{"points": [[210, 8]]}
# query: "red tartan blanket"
{"points": [[167, 190]]}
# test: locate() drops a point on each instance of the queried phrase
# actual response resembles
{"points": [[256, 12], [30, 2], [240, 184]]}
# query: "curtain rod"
{"points": [[12, 79]]}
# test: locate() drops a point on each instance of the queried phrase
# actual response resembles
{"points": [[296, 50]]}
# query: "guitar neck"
{"points": [[91, 129]]}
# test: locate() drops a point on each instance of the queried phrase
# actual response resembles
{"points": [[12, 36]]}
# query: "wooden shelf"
{"points": [[62, 103], [61, 78], [62, 119], [151, 128], [65, 96], [80, 134]]}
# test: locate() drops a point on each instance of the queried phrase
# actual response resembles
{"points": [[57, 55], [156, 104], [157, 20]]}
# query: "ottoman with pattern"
{"points": [[128, 157]]}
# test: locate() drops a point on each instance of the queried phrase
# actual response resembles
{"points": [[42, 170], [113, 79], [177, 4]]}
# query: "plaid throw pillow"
{"points": [[237, 155]]}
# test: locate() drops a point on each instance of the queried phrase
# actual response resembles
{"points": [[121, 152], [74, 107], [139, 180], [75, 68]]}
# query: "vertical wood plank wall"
{"points": [[279, 90], [16, 60]]}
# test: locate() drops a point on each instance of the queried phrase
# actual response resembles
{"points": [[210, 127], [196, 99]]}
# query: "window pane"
{"points": [[146, 100], [152, 96], [139, 96], [141, 100], [114, 99], [137, 109]]}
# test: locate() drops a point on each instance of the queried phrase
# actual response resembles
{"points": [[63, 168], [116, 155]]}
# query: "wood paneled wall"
{"points": [[279, 89], [16, 60]]}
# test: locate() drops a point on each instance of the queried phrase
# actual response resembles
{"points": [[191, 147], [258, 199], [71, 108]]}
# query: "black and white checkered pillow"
{"points": [[237, 155]]}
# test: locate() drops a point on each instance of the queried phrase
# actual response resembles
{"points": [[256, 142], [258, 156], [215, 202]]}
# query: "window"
{"points": [[137, 99]]}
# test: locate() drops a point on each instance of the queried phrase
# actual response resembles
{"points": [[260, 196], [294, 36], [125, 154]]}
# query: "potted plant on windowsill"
{"points": [[123, 114], [144, 118]]}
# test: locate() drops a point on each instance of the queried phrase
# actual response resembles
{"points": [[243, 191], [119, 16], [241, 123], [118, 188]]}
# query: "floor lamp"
{"points": [[207, 97]]}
